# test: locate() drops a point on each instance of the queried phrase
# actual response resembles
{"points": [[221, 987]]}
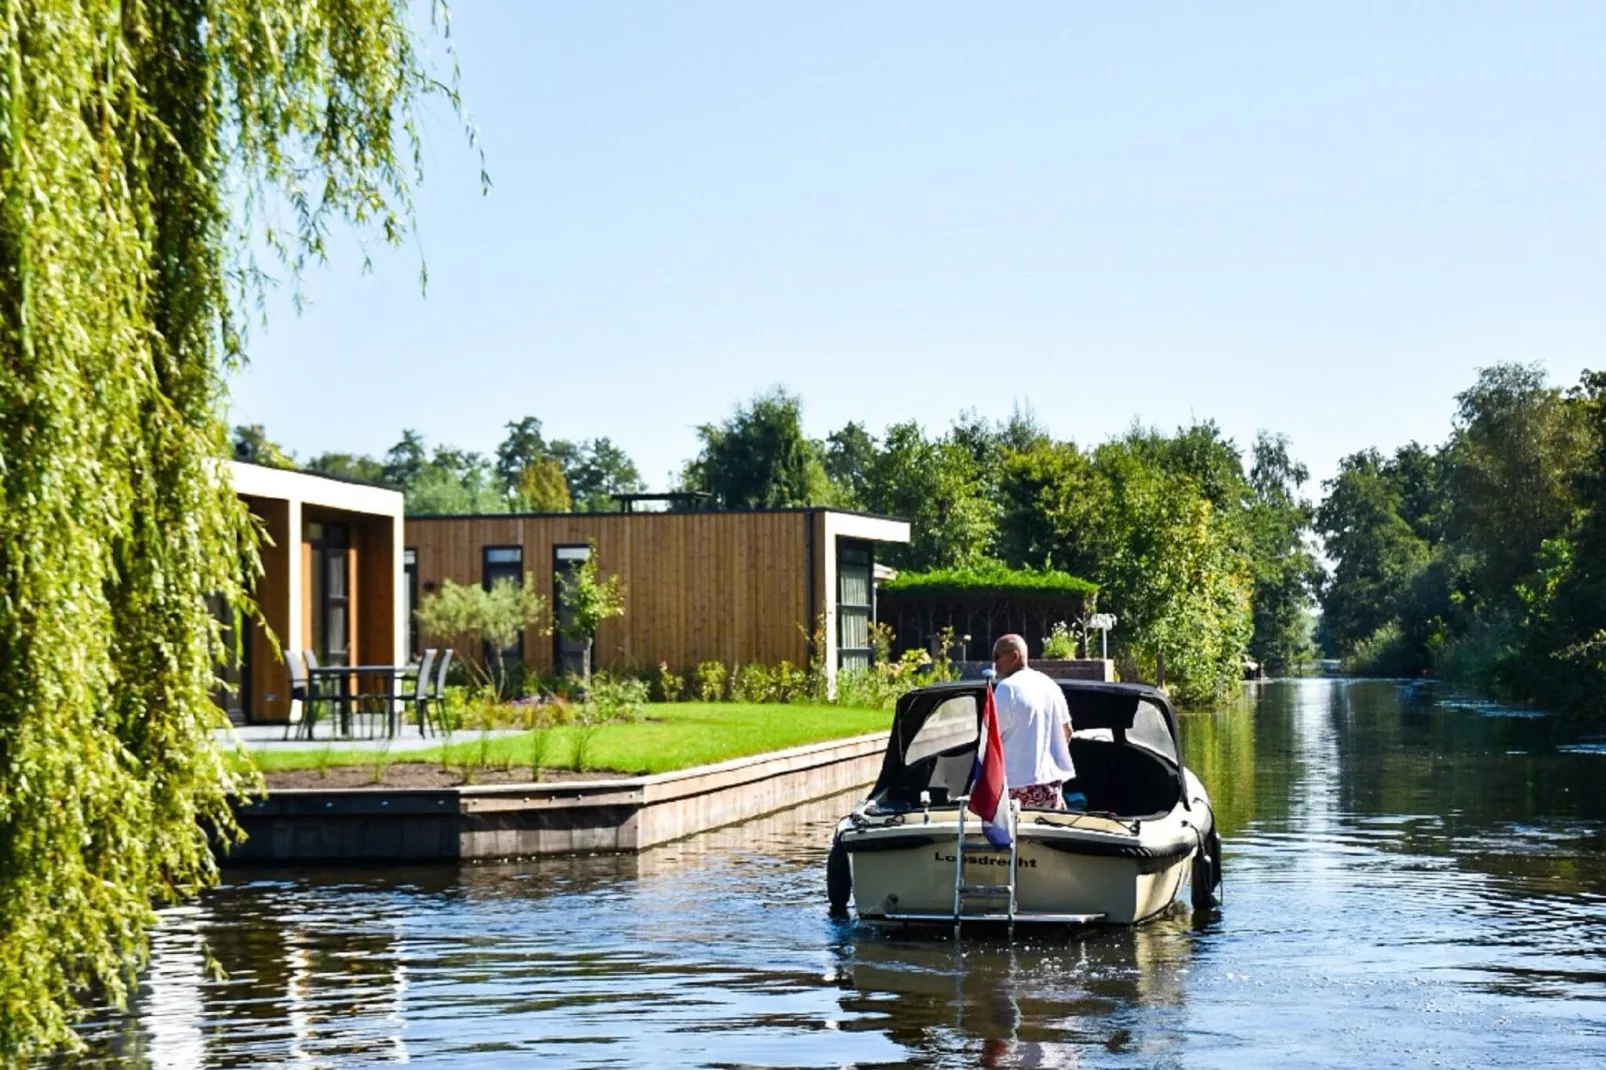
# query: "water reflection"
{"points": [[1409, 879]]}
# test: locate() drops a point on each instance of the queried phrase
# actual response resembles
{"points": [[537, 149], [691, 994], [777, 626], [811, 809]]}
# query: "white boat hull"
{"points": [[1088, 867]]}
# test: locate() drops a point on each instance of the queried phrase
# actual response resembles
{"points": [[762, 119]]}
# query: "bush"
{"points": [[711, 681], [751, 684], [1061, 642], [670, 684], [616, 698]]}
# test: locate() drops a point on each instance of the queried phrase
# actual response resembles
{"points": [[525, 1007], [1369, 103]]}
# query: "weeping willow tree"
{"points": [[146, 148]]}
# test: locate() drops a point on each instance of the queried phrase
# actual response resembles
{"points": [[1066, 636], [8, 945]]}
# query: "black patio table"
{"points": [[345, 696]]}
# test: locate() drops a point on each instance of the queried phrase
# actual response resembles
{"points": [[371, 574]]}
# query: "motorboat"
{"points": [[911, 853]]}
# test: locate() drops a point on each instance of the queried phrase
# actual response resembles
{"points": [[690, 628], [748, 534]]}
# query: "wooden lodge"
{"points": [[728, 586], [332, 573]]}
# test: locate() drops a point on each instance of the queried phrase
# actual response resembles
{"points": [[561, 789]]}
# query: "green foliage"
{"points": [[1284, 571], [1483, 560], [670, 683], [994, 578], [611, 697], [710, 680], [588, 599], [944, 491], [1061, 642], [542, 488], [751, 684], [595, 470], [759, 458], [251, 444], [347, 466], [848, 455], [128, 133], [472, 619], [1173, 566]]}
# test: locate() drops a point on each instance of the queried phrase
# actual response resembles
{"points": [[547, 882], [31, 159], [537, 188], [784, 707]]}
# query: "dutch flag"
{"points": [[989, 794]]}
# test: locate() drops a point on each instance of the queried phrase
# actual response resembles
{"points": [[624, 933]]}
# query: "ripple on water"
{"points": [[1445, 909]]}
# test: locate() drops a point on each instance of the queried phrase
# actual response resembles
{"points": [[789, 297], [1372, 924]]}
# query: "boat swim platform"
{"points": [[407, 826]]}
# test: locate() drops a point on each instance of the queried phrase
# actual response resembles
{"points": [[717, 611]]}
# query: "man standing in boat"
{"points": [[1035, 725]]}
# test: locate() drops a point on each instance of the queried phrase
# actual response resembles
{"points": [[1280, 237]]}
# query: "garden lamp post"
{"points": [[1103, 622]]}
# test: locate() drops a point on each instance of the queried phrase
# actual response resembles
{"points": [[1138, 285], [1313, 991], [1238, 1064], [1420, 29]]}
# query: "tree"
{"points": [[595, 470], [405, 461], [1508, 463], [1284, 570], [483, 622], [251, 444], [348, 466], [522, 447], [937, 484], [848, 455], [542, 488], [128, 134], [1376, 552], [759, 458], [1051, 504], [588, 599], [1170, 565]]}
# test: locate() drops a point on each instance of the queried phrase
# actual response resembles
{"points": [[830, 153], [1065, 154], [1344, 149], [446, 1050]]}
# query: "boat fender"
{"points": [[1205, 875], [838, 877]]}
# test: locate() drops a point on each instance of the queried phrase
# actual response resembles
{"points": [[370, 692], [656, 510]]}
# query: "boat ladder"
{"points": [[963, 892]]}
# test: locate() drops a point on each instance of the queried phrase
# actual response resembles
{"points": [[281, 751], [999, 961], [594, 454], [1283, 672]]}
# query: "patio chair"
{"points": [[435, 701], [418, 696], [304, 691]]}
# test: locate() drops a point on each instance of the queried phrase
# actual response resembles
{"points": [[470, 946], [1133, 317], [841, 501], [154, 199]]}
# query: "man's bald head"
{"points": [[1009, 654]]}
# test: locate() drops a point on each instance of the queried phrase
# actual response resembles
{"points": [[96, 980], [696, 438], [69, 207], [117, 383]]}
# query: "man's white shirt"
{"points": [[1032, 716]]}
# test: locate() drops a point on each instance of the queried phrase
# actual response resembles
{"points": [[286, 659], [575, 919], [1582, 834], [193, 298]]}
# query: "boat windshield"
{"points": [[1150, 731], [951, 724]]}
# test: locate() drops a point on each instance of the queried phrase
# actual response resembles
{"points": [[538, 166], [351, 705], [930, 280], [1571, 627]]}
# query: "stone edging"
{"points": [[344, 826]]}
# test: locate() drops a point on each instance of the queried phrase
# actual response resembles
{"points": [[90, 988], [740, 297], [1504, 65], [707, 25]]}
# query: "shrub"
{"points": [[788, 683], [1061, 642], [616, 698], [670, 684], [476, 620], [711, 680], [751, 684]]}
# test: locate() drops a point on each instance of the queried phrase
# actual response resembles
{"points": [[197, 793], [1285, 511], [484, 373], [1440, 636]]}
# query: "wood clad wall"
{"points": [[730, 587], [269, 686], [374, 600]]}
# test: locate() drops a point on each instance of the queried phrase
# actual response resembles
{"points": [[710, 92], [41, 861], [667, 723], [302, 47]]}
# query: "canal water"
{"points": [[1409, 881]]}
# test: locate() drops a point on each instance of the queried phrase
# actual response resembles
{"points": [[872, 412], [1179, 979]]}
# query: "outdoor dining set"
{"points": [[370, 697]]}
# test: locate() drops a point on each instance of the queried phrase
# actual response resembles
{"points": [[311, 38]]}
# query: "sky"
{"points": [[1311, 219]]}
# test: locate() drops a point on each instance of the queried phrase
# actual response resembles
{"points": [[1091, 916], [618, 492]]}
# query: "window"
{"points": [[331, 592], [855, 605], [568, 655], [953, 724], [506, 563], [410, 593]]}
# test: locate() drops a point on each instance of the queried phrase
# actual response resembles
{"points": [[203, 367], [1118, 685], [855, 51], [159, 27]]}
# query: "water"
{"points": [[1409, 882]]}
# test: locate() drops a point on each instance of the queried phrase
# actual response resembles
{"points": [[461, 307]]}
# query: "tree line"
{"points": [[1200, 550], [1482, 560]]}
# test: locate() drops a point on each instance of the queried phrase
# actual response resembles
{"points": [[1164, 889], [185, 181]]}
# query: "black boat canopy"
{"points": [[936, 730]]}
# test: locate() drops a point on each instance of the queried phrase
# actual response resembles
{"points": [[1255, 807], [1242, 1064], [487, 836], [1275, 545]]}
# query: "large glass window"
{"points": [[855, 606], [506, 563], [569, 655], [410, 593], [331, 592]]}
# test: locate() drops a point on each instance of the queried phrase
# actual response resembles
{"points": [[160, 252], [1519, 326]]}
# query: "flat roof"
{"points": [[667, 512]]}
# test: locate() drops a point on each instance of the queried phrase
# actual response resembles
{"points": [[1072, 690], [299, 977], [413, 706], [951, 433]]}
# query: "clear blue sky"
{"points": [[1312, 220]]}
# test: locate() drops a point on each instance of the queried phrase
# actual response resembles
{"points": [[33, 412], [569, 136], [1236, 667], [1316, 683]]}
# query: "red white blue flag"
{"points": [[989, 794]]}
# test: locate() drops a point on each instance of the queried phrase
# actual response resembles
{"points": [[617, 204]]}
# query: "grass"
{"points": [[669, 736]]}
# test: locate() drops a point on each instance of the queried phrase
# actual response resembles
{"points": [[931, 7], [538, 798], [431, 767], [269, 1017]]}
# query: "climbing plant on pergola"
{"points": [[147, 147]]}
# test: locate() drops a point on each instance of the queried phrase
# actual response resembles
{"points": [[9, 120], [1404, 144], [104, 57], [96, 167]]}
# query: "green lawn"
{"points": [[669, 736]]}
